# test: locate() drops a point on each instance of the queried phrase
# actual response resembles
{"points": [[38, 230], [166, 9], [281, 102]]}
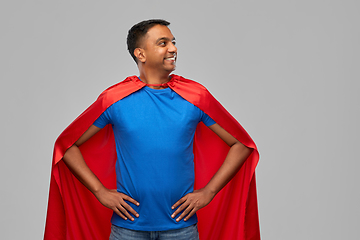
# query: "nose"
{"points": [[172, 48]]}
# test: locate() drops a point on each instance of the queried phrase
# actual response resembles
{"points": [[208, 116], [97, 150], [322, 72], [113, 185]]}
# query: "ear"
{"points": [[140, 54]]}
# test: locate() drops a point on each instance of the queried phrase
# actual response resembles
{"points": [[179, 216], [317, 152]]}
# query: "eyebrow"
{"points": [[165, 38]]}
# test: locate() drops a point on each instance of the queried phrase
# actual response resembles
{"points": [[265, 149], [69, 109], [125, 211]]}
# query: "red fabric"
{"points": [[74, 213]]}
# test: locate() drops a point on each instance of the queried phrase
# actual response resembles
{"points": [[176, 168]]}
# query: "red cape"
{"points": [[74, 212]]}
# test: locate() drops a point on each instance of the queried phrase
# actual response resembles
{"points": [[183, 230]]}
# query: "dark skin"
{"points": [[156, 60]]}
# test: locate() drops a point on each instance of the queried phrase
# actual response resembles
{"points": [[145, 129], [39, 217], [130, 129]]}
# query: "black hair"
{"points": [[138, 31]]}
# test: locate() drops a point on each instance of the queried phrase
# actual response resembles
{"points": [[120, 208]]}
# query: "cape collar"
{"points": [[171, 83]]}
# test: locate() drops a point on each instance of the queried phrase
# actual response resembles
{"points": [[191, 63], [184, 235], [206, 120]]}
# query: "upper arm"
{"points": [[225, 136], [91, 131]]}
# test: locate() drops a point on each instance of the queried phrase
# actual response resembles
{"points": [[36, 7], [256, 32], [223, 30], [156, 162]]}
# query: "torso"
{"points": [[154, 132]]}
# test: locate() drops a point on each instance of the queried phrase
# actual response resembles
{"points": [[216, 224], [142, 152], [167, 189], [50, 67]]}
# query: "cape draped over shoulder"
{"points": [[75, 213]]}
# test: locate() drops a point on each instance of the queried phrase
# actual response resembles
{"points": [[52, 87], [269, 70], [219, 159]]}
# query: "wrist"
{"points": [[209, 191], [98, 190]]}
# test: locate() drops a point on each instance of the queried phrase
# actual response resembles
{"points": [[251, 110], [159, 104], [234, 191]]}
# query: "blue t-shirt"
{"points": [[154, 132]]}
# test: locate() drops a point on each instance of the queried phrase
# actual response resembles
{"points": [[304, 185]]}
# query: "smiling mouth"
{"points": [[171, 58]]}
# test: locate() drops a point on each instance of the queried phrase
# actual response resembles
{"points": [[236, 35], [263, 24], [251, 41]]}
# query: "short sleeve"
{"points": [[103, 120], [208, 121]]}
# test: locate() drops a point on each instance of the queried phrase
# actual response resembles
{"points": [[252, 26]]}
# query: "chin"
{"points": [[170, 69]]}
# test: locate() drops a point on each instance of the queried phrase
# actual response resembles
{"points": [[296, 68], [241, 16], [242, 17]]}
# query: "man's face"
{"points": [[159, 49]]}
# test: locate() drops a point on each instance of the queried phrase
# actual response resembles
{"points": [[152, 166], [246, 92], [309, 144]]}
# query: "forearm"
{"points": [[196, 200], [110, 198], [235, 158], [77, 165]]}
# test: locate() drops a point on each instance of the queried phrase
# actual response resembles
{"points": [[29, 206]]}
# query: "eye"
{"points": [[174, 42], [162, 43]]}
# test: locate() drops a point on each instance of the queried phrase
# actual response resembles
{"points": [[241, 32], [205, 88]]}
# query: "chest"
{"points": [[150, 111]]}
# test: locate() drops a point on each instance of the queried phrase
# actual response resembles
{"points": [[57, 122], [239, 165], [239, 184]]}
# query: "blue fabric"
{"points": [[188, 233], [154, 132]]}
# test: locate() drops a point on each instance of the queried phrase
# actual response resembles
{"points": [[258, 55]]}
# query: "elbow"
{"points": [[69, 152], [242, 149]]}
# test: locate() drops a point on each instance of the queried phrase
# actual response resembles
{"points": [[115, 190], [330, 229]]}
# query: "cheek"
{"points": [[161, 51]]}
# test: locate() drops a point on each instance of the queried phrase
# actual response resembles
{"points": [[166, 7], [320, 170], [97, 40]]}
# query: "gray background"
{"points": [[287, 70]]}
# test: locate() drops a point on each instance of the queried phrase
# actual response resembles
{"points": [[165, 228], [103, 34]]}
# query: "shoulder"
{"points": [[122, 84], [121, 89], [188, 85], [192, 91]]}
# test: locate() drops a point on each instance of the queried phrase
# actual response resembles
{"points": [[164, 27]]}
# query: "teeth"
{"points": [[173, 58]]}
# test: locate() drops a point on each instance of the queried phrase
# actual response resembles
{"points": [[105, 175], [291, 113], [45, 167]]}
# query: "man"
{"points": [[153, 122]]}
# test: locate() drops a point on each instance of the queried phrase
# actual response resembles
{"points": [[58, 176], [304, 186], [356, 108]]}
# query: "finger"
{"points": [[184, 213], [126, 213], [180, 209], [119, 213], [129, 208], [181, 200], [193, 211], [129, 199]]}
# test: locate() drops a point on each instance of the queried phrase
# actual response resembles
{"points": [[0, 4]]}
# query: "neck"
{"points": [[154, 78]]}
